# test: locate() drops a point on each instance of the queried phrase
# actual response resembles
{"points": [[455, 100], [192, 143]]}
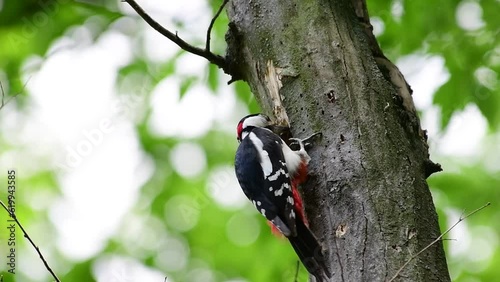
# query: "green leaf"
{"points": [[186, 84], [246, 96], [452, 96], [213, 77], [488, 102]]}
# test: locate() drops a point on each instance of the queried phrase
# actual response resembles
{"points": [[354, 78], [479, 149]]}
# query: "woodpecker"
{"points": [[269, 172]]}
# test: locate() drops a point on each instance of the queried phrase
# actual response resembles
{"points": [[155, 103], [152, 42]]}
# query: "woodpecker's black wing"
{"points": [[262, 173]]}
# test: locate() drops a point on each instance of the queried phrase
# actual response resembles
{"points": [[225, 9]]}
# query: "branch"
{"points": [[209, 30], [204, 53], [430, 167], [13, 215], [462, 218]]}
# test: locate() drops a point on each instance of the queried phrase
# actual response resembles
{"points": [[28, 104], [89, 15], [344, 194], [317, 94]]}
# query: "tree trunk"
{"points": [[311, 65]]}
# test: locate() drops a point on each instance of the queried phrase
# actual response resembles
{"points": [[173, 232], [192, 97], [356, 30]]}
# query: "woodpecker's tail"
{"points": [[310, 252]]}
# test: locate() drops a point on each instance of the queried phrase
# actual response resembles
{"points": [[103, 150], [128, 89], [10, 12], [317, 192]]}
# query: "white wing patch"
{"points": [[279, 192], [265, 162], [277, 174]]}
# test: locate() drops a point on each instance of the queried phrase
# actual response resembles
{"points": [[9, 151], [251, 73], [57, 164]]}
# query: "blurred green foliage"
{"points": [[431, 28], [472, 57]]}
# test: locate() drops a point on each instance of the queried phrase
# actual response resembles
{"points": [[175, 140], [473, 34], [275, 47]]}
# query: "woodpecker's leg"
{"points": [[306, 142]]}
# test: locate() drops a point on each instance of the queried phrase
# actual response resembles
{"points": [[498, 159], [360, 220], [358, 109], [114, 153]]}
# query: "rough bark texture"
{"points": [[310, 64]]}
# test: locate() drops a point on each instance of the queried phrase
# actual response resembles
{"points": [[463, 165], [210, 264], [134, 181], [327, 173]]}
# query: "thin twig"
{"points": [[209, 30], [3, 95], [462, 218], [213, 58], [3, 103], [13, 215]]}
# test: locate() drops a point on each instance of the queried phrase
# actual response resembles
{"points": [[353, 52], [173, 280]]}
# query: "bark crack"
{"points": [[385, 252], [384, 239], [364, 242], [338, 257], [343, 53]]}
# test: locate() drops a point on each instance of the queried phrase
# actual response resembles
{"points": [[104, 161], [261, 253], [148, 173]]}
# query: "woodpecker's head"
{"points": [[249, 122]]}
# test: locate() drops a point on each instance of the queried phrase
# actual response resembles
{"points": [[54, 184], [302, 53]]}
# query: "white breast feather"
{"points": [[292, 159]]}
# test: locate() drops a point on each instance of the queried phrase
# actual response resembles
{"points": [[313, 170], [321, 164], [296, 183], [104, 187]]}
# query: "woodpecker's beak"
{"points": [[265, 117]]}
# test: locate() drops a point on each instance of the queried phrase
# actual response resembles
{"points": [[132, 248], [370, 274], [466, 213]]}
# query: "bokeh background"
{"points": [[123, 145]]}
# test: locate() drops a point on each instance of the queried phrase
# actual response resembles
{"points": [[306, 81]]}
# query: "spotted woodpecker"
{"points": [[269, 172]]}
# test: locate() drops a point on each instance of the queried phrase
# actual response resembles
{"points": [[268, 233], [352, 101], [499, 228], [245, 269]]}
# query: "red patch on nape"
{"points": [[239, 129]]}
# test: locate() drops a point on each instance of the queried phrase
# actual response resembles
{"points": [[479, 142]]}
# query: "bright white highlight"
{"points": [[425, 74], [224, 188], [464, 134], [188, 159], [469, 15], [242, 229], [114, 268]]}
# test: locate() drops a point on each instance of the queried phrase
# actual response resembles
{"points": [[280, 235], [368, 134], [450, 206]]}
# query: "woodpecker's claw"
{"points": [[306, 142], [312, 136]]}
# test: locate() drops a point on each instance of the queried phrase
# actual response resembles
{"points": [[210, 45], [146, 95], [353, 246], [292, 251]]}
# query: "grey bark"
{"points": [[310, 65]]}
